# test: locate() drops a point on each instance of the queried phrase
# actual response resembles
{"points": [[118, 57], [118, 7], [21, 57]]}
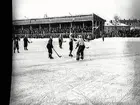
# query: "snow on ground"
{"points": [[108, 75]]}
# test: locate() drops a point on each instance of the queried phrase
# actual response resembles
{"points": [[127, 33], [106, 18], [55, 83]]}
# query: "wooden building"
{"points": [[90, 24]]}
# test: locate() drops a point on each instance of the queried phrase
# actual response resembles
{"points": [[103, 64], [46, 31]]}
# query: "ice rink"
{"points": [[108, 75]]}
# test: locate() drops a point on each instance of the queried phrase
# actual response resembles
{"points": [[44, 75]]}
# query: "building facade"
{"points": [[120, 30], [90, 24], [109, 27], [133, 23]]}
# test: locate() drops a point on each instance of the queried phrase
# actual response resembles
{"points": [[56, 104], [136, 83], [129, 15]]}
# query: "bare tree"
{"points": [[45, 15], [116, 18], [115, 22]]}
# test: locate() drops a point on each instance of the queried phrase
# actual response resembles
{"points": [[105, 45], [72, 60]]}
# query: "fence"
{"points": [[54, 35]]}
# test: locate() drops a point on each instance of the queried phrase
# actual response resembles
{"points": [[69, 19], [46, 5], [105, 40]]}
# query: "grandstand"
{"points": [[90, 24]]}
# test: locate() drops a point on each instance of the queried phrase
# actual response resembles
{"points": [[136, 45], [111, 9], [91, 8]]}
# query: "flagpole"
{"points": [[71, 23], [29, 23]]}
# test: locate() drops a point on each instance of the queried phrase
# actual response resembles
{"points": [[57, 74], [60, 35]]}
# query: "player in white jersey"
{"points": [[81, 47]]}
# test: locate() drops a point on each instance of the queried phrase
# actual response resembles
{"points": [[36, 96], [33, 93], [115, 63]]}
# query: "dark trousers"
{"points": [[70, 48], [60, 43], [103, 38], [16, 46], [25, 45], [50, 52], [80, 52]]}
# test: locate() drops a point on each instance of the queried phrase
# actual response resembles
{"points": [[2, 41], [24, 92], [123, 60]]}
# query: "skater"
{"points": [[26, 41], [81, 47], [102, 35], [88, 38], [71, 44], [16, 43], [60, 39], [49, 47]]}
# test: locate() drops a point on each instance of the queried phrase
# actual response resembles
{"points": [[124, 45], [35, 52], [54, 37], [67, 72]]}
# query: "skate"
{"points": [[51, 58], [77, 57], [26, 48], [70, 55], [82, 58]]}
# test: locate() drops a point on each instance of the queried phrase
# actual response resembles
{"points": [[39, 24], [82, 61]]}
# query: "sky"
{"points": [[107, 9]]}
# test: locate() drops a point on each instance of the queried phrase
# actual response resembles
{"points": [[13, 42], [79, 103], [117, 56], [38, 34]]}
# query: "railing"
{"points": [[54, 35]]}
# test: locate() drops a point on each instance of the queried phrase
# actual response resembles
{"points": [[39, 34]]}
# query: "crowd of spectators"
{"points": [[44, 32]]}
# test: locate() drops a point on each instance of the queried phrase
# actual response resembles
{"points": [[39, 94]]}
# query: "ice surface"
{"points": [[108, 75]]}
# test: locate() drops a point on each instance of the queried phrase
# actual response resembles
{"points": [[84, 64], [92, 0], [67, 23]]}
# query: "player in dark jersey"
{"points": [[26, 41], [49, 47], [71, 39], [16, 43], [60, 39]]}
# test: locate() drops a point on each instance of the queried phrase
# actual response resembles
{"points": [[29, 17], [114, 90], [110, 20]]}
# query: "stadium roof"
{"points": [[64, 19]]}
